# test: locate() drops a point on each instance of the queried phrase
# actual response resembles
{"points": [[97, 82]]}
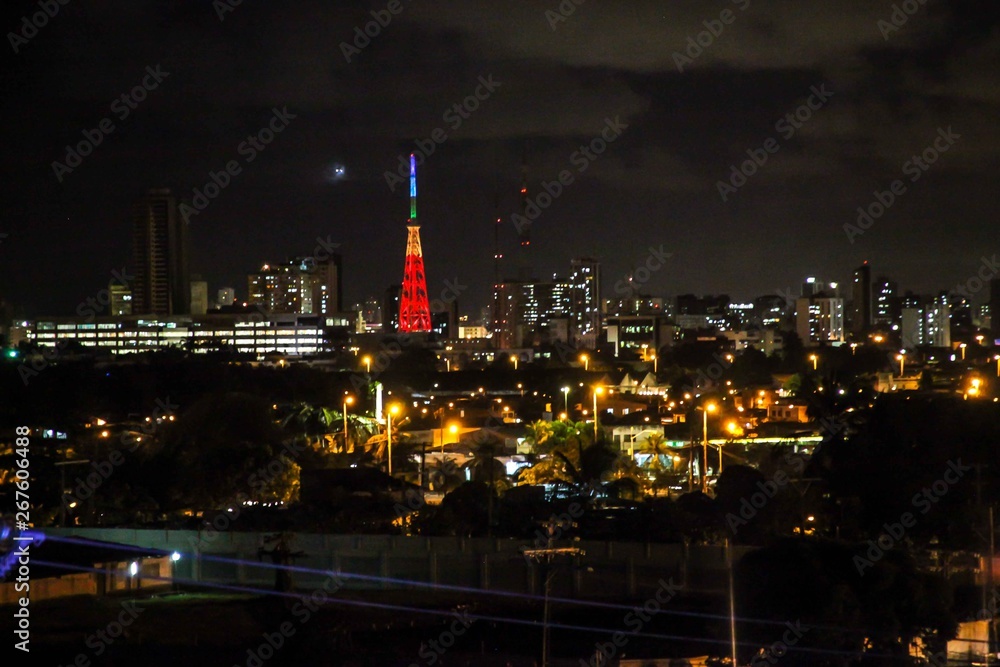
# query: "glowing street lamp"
{"points": [[565, 391], [854, 348], [348, 400], [813, 358], [655, 360], [367, 361], [710, 407], [393, 410], [513, 358], [962, 346], [979, 338], [597, 391], [902, 359], [586, 362], [997, 359]]}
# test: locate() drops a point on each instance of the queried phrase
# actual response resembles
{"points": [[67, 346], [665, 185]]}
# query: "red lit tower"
{"points": [[414, 309]]}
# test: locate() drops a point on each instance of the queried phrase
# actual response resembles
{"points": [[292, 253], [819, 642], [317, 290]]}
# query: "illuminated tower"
{"points": [[414, 309]]}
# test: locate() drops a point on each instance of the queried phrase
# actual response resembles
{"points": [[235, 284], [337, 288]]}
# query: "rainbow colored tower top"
{"points": [[413, 189]]}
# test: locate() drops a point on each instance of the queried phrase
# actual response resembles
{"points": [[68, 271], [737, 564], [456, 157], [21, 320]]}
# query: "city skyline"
{"points": [[304, 137]]}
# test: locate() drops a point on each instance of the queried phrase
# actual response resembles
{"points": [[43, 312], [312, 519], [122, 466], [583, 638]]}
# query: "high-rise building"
{"points": [[301, 285], [885, 303], [925, 321], [819, 318], [769, 310], [528, 309], [861, 300], [585, 295], [390, 309], [159, 252]]}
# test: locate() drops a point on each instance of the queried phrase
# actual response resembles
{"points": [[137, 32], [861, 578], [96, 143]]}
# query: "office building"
{"points": [[819, 319], [301, 285], [159, 253], [861, 300], [585, 298], [925, 321], [885, 303]]}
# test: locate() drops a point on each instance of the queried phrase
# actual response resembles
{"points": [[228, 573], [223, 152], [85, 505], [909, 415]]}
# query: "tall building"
{"points": [[159, 252], [885, 303], [390, 309], [925, 321], [819, 319], [769, 310], [533, 312], [585, 295], [301, 285], [861, 300]]}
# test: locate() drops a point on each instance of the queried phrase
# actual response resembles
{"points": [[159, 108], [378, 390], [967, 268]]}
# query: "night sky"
{"points": [[656, 184]]}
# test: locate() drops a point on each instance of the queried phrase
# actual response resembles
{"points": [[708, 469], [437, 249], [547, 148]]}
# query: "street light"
{"points": [[997, 359], [597, 391], [813, 358], [655, 360], [367, 361], [962, 345], [711, 407], [393, 410], [565, 391], [348, 400], [513, 358], [854, 348], [902, 359]]}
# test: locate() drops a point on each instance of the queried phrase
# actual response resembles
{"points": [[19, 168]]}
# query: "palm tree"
{"points": [[660, 464]]}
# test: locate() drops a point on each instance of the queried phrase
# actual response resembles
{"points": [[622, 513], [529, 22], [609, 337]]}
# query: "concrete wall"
{"points": [[608, 569]]}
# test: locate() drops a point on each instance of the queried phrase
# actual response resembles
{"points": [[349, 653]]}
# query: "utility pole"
{"points": [[547, 557]]}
